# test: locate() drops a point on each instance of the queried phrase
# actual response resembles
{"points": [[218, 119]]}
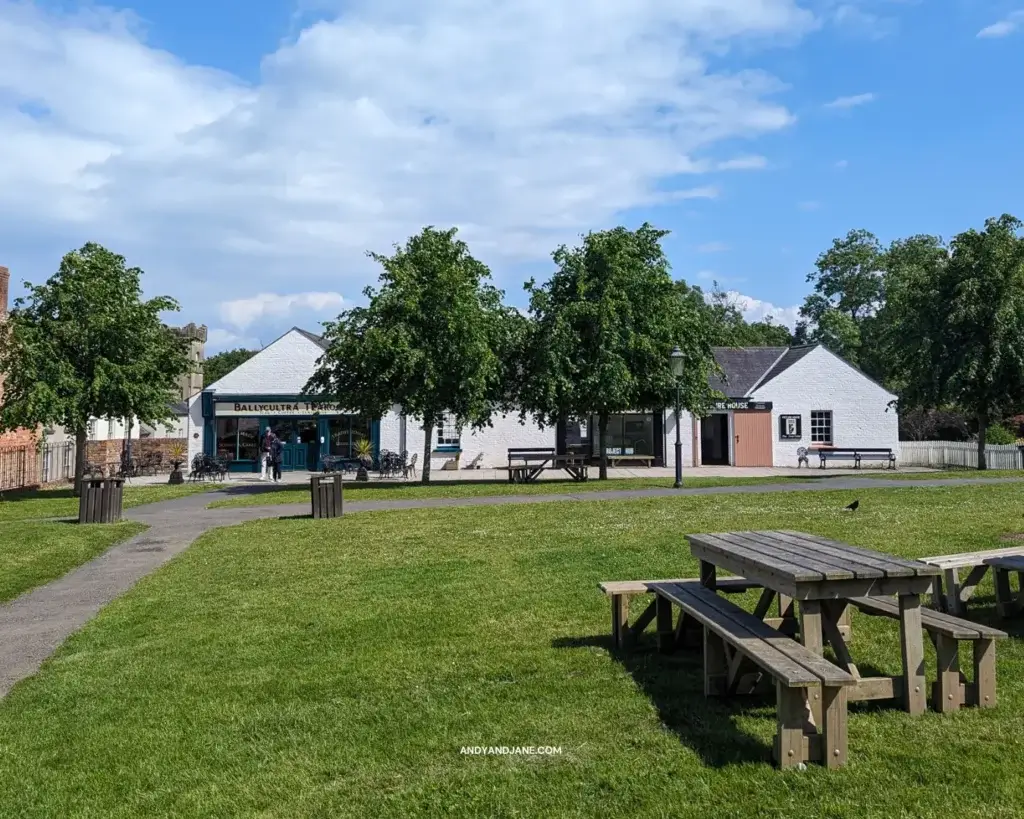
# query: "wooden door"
{"points": [[752, 438]]}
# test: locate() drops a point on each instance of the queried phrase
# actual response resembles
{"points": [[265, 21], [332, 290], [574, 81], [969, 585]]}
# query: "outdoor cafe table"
{"points": [[823, 575]]}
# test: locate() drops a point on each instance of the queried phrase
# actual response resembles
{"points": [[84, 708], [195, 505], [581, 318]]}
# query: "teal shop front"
{"points": [[309, 430]]}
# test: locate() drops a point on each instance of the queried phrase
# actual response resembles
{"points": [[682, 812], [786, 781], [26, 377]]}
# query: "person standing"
{"points": [[268, 436], [276, 455]]}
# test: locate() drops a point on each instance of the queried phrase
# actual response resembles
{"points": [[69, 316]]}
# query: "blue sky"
{"points": [[246, 155]]}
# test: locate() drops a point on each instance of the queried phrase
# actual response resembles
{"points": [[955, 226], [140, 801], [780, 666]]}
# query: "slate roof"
{"points": [[179, 408], [748, 367], [317, 340]]}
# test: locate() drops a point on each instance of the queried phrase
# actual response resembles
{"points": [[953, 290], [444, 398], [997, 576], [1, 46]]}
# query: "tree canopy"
{"points": [[86, 345], [603, 327], [217, 366], [731, 329], [434, 338], [954, 322]]}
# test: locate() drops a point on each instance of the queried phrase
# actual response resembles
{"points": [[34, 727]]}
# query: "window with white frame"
{"points": [[91, 429], [448, 432], [821, 426], [111, 428]]}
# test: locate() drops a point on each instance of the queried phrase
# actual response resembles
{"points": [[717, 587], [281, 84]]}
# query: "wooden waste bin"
{"points": [[101, 500], [326, 495]]}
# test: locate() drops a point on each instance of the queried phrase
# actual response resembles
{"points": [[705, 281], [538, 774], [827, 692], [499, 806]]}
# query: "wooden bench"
{"points": [[856, 454], [525, 464], [1006, 602], [646, 460], [951, 690], [734, 640], [622, 591], [953, 598]]}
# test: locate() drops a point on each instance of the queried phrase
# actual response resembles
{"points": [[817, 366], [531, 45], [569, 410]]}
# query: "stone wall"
{"points": [[105, 452]]}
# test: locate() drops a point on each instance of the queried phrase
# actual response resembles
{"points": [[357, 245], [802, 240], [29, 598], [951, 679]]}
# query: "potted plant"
{"points": [[364, 452], [177, 452]]}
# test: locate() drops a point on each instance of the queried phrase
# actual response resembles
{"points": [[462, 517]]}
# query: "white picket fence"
{"points": [[958, 454]]}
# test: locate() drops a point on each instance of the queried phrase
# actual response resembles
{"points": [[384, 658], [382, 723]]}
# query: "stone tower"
{"points": [[192, 383]]}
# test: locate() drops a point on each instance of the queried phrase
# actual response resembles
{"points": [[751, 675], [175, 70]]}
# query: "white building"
{"points": [[779, 400]]}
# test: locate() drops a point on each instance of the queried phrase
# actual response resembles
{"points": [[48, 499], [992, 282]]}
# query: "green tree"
{"points": [[603, 328], [217, 366], [431, 339], [731, 329], [954, 322], [849, 289], [85, 345]]}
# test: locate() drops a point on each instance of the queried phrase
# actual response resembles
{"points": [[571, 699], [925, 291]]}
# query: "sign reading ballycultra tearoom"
{"points": [[228, 408]]}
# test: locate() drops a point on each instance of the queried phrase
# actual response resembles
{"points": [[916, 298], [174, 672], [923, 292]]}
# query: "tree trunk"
{"points": [[428, 440], [81, 437], [602, 435], [982, 429]]}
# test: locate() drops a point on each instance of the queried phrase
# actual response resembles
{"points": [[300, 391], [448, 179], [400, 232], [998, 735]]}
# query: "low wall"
{"points": [[104, 452]]}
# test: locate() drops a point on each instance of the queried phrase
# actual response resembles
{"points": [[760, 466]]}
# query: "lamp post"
{"points": [[677, 361]]}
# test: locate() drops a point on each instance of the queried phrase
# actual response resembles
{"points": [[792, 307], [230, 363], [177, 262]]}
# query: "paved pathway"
{"points": [[35, 624]]}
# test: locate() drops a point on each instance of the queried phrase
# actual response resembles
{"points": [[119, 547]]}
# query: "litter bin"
{"points": [[326, 494], [101, 500]]}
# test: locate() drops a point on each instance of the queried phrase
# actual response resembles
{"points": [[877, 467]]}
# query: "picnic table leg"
{"points": [[708, 575], [620, 615], [811, 636], [953, 604], [912, 650], [985, 672], [947, 693]]}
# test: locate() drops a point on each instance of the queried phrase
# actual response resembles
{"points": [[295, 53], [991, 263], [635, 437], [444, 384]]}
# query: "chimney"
{"points": [[5, 278]]}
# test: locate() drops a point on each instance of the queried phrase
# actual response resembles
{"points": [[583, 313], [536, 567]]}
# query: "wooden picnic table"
{"points": [[824, 576]]}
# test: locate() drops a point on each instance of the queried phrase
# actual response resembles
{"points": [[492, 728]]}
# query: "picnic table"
{"points": [[826, 577], [525, 464]]}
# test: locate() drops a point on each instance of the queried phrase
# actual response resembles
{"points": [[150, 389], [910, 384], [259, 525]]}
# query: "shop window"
{"points": [[631, 434], [227, 438], [346, 431], [448, 432], [248, 439], [821, 426]]}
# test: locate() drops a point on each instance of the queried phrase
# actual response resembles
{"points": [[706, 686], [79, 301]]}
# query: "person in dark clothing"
{"points": [[276, 455]]}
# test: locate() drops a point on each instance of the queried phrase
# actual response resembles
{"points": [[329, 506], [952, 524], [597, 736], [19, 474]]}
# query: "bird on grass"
{"points": [[852, 507]]}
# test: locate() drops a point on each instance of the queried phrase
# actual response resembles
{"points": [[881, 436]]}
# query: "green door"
{"points": [[294, 456]]}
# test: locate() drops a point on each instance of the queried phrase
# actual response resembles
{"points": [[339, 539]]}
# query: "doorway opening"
{"points": [[714, 440]]}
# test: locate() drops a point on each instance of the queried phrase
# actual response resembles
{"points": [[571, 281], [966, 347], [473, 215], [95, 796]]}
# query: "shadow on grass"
{"points": [[17, 495], [674, 683]]}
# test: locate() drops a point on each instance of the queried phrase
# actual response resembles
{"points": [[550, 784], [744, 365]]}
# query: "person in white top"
{"points": [[265, 442]]}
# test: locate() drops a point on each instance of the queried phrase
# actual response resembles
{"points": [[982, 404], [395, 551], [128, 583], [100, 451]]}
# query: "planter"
{"points": [[176, 474]]}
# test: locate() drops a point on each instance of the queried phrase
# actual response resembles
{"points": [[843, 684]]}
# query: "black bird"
{"points": [[852, 507]]}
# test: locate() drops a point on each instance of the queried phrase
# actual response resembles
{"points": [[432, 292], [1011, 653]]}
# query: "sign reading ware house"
{"points": [[742, 405], [282, 408]]}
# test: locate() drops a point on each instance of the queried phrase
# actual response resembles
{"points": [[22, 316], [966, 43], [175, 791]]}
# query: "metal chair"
{"points": [[410, 467], [801, 457]]}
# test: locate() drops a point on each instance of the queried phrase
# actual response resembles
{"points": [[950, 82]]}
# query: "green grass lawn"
{"points": [[298, 668], [61, 503], [472, 489], [34, 552]]}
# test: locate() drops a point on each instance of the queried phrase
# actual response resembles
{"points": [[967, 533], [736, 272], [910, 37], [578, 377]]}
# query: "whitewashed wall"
{"points": [[686, 436], [861, 415], [197, 429]]}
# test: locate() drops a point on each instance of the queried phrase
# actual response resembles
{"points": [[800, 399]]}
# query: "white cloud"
{"points": [[758, 310], [844, 103], [1008, 25], [243, 313], [809, 205], [525, 123], [744, 163], [712, 247], [842, 164], [855, 19], [217, 339]]}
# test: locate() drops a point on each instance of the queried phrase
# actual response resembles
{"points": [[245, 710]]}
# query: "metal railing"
{"points": [[57, 462]]}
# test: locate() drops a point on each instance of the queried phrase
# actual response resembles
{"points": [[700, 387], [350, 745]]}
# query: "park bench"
{"points": [[621, 592], [734, 641], [525, 464], [949, 594], [646, 460], [1006, 603], [950, 690], [855, 454]]}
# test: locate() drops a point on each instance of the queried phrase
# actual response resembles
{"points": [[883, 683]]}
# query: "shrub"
{"points": [[997, 435]]}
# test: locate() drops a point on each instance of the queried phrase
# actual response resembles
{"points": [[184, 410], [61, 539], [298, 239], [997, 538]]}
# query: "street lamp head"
{"points": [[677, 361]]}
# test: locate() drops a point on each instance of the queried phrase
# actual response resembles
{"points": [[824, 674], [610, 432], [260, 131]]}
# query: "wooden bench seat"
{"points": [[622, 591], [733, 639], [646, 460], [949, 593], [1007, 603], [856, 454], [951, 690]]}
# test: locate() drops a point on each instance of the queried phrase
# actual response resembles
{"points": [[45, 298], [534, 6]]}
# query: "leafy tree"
{"points": [[85, 345], [217, 366], [954, 322], [731, 329], [849, 288], [434, 338], [604, 326]]}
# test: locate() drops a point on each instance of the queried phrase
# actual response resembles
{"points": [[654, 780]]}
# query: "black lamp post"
{"points": [[677, 361]]}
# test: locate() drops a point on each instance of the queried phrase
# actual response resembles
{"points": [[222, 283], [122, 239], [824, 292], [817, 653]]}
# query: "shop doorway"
{"points": [[300, 440], [714, 440], [753, 432]]}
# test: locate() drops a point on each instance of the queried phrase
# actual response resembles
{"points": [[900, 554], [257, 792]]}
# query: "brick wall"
{"points": [[104, 452]]}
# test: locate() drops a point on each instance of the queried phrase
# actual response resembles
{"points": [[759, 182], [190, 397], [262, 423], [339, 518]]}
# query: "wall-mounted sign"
{"points": [[789, 427], [741, 405], [229, 408]]}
